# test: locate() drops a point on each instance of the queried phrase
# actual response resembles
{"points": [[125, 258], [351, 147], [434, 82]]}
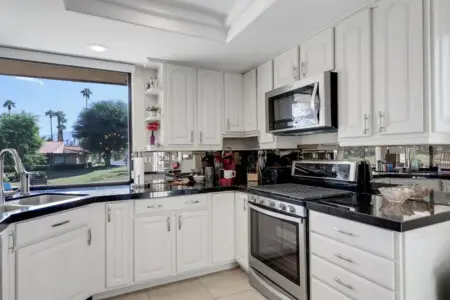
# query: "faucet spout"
{"points": [[20, 169]]}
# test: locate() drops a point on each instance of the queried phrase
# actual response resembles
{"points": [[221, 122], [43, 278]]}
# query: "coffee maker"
{"points": [[225, 167]]}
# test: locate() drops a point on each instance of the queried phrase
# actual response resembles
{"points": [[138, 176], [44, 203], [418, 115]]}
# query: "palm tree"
{"points": [[9, 104], [50, 113], [86, 94], [61, 120]]}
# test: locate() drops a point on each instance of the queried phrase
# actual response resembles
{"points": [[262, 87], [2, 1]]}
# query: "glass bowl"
{"points": [[419, 191], [397, 194]]}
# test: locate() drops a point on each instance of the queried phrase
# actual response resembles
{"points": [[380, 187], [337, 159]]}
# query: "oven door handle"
{"points": [[276, 215]]}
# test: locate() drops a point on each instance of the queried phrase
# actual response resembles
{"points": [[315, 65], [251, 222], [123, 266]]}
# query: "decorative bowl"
{"points": [[199, 178], [419, 191], [398, 194]]}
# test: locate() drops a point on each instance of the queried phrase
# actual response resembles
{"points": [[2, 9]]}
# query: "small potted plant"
{"points": [[153, 110]]}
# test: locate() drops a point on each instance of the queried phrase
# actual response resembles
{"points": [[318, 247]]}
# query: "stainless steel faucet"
{"points": [[20, 169]]}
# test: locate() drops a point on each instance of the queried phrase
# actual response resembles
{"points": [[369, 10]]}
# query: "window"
{"points": [[70, 125]]}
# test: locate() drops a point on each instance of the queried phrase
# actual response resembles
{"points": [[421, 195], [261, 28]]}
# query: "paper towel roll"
{"points": [[139, 171]]}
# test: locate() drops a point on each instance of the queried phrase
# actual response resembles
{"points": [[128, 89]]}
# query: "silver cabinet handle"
{"points": [[380, 121], [179, 222], [13, 242], [192, 202], [61, 223], [343, 258], [154, 206], [294, 72], [228, 123], [366, 118], [192, 136], [109, 214], [343, 283], [89, 240], [201, 137], [244, 204], [343, 232], [303, 68], [168, 224]]}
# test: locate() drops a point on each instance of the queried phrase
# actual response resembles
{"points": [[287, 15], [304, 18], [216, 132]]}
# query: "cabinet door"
{"points": [[398, 66], [209, 103], [181, 90], [251, 123], [441, 65], [286, 68], [154, 247], [192, 240], [264, 84], [118, 244], [241, 227], [446, 186], [322, 291], [234, 103], [56, 268], [222, 219], [317, 54], [353, 63], [8, 264]]}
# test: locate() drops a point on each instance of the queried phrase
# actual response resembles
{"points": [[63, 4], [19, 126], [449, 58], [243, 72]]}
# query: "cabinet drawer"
{"points": [[322, 291], [370, 266], [366, 237], [167, 204], [48, 226], [348, 283]]}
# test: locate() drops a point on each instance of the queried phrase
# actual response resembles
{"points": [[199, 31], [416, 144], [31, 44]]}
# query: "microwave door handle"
{"points": [[314, 94]]}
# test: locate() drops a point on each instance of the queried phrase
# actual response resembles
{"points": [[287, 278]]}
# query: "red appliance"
{"points": [[225, 161]]}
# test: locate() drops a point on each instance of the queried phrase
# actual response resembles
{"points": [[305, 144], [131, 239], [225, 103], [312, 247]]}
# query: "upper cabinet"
{"points": [[317, 54], [353, 64], [234, 103], [285, 68], [181, 93], [264, 84], [209, 108], [251, 123], [398, 79]]}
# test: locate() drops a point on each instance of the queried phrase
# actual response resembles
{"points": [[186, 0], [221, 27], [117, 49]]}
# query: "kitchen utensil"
{"points": [[398, 194], [209, 174], [199, 178], [419, 191], [228, 174]]}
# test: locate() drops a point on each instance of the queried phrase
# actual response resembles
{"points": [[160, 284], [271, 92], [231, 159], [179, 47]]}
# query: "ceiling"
{"points": [[46, 25]]}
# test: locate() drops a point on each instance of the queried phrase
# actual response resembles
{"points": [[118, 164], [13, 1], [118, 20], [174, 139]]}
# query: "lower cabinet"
{"points": [[322, 291], [241, 229], [223, 235], [154, 247], [118, 244], [56, 268], [192, 240]]}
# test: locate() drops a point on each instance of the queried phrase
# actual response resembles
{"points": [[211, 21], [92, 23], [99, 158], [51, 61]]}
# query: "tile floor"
{"points": [[227, 285]]}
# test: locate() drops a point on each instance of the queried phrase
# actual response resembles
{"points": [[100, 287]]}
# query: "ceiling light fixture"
{"points": [[97, 48]]}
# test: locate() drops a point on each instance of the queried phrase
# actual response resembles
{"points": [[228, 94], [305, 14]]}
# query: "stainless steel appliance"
{"points": [[277, 225], [305, 106]]}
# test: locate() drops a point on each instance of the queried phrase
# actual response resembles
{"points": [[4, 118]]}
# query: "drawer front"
{"points": [[366, 237], [39, 229], [348, 283], [367, 265], [322, 291], [158, 205]]}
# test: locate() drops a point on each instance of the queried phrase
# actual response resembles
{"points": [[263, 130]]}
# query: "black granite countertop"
{"points": [[419, 174]]}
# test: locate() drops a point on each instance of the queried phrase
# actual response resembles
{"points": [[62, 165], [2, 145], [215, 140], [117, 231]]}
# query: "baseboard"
{"points": [[155, 282]]}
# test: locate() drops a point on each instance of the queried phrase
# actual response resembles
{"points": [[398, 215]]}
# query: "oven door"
{"points": [[278, 249]]}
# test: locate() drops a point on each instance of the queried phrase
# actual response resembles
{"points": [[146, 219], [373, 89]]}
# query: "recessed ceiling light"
{"points": [[97, 48]]}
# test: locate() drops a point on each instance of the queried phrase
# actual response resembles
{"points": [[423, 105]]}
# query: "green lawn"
{"points": [[91, 176]]}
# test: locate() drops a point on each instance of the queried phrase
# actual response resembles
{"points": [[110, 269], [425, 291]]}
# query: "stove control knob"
{"points": [[251, 198], [272, 204], [291, 209], [261, 201], [282, 206]]}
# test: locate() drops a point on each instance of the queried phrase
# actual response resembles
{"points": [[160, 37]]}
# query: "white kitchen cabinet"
{"points": [[8, 264], [222, 220], [398, 73], [180, 96], [241, 229], [353, 64], [264, 84], [322, 291], [193, 242], [317, 54], [209, 108], [154, 247], [56, 268], [118, 244], [251, 111], [234, 103], [285, 68]]}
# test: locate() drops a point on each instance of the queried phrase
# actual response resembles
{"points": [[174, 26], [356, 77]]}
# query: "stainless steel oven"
{"points": [[277, 247]]}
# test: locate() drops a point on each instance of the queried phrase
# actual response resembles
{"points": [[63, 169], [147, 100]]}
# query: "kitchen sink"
{"points": [[43, 199]]}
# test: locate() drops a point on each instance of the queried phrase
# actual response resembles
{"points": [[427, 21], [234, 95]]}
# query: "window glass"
{"points": [[67, 132]]}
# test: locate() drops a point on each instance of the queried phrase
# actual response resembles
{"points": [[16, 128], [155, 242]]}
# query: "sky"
{"points": [[37, 96]]}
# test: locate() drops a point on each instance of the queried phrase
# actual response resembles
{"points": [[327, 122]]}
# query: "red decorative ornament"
{"points": [[153, 126]]}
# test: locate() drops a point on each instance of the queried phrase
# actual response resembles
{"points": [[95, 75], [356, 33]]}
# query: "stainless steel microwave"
{"points": [[303, 107]]}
